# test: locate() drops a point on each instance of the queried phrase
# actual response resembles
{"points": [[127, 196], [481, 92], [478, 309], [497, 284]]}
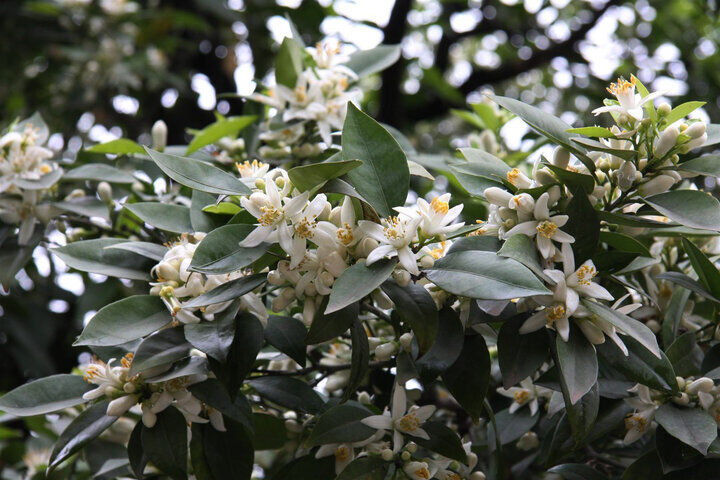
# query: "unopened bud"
{"points": [[664, 109], [405, 456], [498, 196], [666, 141], [561, 157], [105, 192], [696, 130], [411, 447], [402, 277], [427, 261], [703, 384], [385, 351], [406, 341], [159, 134], [477, 476], [529, 441], [364, 398], [387, 454]]}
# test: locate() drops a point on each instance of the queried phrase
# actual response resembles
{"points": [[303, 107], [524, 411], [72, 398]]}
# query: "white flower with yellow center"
{"points": [[544, 227], [629, 102], [344, 453], [436, 216], [394, 235], [401, 421], [22, 157], [418, 471], [293, 238], [639, 422], [251, 171], [526, 394]]}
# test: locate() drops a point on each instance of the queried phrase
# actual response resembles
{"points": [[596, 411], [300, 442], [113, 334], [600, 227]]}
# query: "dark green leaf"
{"points": [[417, 309], [341, 424], [706, 165], [685, 355], [328, 326], [270, 432], [214, 338], [583, 225], [446, 348], [367, 62], [520, 356], [228, 291], [357, 282], [287, 334], [45, 395], [220, 251], [577, 365], [307, 468], [166, 443], [229, 454], [136, 454], [577, 471], [224, 127], [691, 208], [523, 249], [692, 426], [149, 250], [706, 270], [625, 325], [514, 425], [83, 429], [288, 392], [467, 379], [100, 172], [307, 177], [289, 63], [165, 347], [360, 358], [93, 256], [125, 320], [673, 315], [444, 441], [639, 365], [213, 393]]}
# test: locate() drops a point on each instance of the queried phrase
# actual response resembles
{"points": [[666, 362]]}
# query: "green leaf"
{"points": [[198, 175], [625, 243], [165, 216], [482, 170], [228, 291], [149, 250], [626, 325], [416, 308], [514, 425], [166, 443], [673, 315], [287, 334], [520, 356], [467, 379], [307, 468], [99, 172], [446, 348], [326, 326], [224, 127], [136, 454], [341, 424], [85, 206], [288, 392], [213, 393], [93, 256], [686, 282], [545, 124], [685, 355], [583, 225], [307, 177], [45, 395], [521, 248], [384, 177], [270, 432], [121, 146], [681, 111], [577, 471], [577, 365], [674, 454], [484, 275], [201, 220], [573, 179], [243, 352], [214, 338], [220, 251], [83, 429], [163, 348], [706, 270], [616, 218], [595, 146], [229, 454], [289, 63], [691, 208], [367, 62], [639, 365], [706, 165], [597, 132], [360, 358], [357, 282], [647, 467], [444, 441], [692, 426], [125, 320], [476, 242], [582, 415]]}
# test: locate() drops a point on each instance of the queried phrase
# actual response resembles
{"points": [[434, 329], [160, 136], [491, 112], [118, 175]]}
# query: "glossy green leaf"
{"points": [[307, 177], [416, 308], [685, 355], [162, 348], [341, 424], [706, 270], [484, 275], [99, 172], [692, 426], [229, 454], [198, 175], [359, 360], [597, 132], [214, 338], [626, 325], [367, 62], [468, 378], [482, 170], [83, 429], [523, 249], [220, 250], [446, 348], [674, 313], [577, 364], [442, 440], [514, 425], [288, 392], [289, 63], [149, 250], [166, 444], [213, 393], [287, 334], [228, 291], [681, 111], [121, 146], [165, 216], [93, 256], [45, 395], [706, 165], [520, 356], [639, 365], [692, 208], [357, 281], [125, 320], [384, 177], [224, 127], [270, 431]]}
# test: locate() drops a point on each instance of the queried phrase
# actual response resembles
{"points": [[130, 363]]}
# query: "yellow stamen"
{"points": [[392, 228], [585, 274], [521, 396], [345, 234], [512, 175], [409, 422], [635, 422], [269, 216], [342, 454], [439, 206], [554, 313], [621, 87], [546, 228], [304, 228], [422, 472]]}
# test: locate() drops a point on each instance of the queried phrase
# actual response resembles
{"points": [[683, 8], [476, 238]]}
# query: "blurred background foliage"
{"points": [[102, 69]]}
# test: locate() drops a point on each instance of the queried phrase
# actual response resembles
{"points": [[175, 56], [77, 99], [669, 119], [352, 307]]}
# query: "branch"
{"points": [[320, 368]]}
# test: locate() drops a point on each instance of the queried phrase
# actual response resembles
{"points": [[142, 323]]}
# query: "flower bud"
{"points": [[385, 351], [477, 476], [680, 382], [529, 441], [381, 300], [518, 179], [406, 341], [683, 399], [498, 196], [427, 261], [148, 418], [696, 130], [275, 278], [703, 384], [293, 426], [653, 325], [524, 203], [554, 193], [129, 387], [364, 398], [561, 158], [411, 447], [666, 141], [105, 192], [657, 184], [366, 246], [405, 456], [695, 143], [309, 310], [664, 109], [626, 175], [387, 454], [120, 405], [77, 193], [138, 187], [402, 277], [159, 134]]}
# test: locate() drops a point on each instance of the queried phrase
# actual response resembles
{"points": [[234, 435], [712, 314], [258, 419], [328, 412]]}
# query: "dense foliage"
{"points": [[298, 293]]}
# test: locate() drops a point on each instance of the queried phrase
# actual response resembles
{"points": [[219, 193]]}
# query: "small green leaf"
{"points": [[639, 365], [93, 256], [367, 62], [307, 177], [220, 251], [125, 320], [224, 127], [163, 348], [416, 308], [520, 356], [288, 392], [341, 424], [165, 216], [289, 63], [198, 175], [357, 282], [706, 270], [706, 165], [685, 355], [45, 395], [270, 431], [99, 172], [360, 358], [121, 146], [681, 111], [597, 132], [214, 338], [165, 444], [577, 365], [443, 440]]}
